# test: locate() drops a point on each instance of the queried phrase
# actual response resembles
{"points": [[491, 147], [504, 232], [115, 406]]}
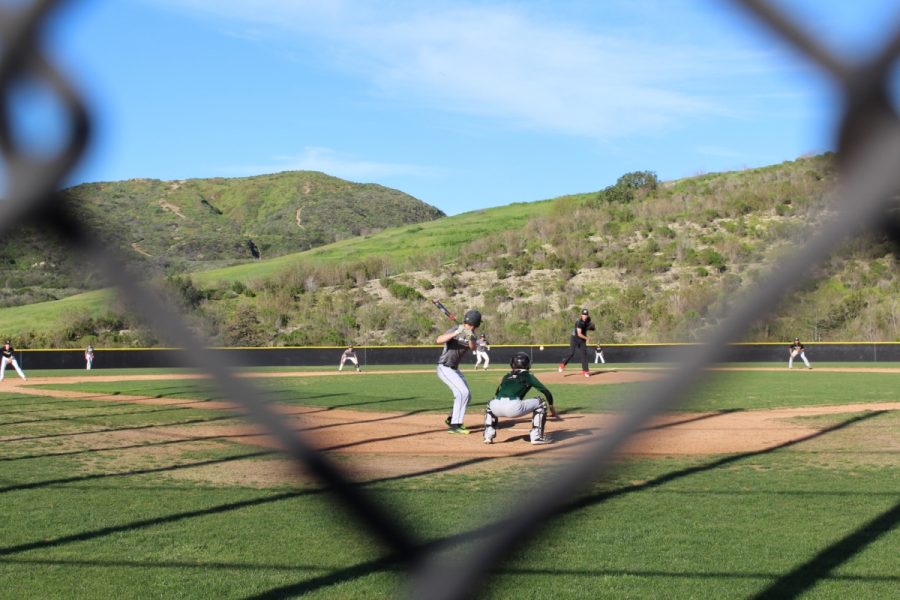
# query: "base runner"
{"points": [[509, 401]]}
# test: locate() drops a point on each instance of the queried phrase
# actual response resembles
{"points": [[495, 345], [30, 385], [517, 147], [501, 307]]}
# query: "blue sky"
{"points": [[465, 104]]}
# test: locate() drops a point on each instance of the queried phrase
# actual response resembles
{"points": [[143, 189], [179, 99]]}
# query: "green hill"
{"points": [[174, 227], [655, 261]]}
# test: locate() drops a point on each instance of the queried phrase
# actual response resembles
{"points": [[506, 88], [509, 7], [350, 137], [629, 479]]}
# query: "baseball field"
{"points": [[148, 484]]}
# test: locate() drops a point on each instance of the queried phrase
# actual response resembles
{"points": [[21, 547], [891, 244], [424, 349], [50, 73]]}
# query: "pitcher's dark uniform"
{"points": [[578, 342]]}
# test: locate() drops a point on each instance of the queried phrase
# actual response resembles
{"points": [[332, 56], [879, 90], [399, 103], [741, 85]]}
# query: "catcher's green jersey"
{"points": [[516, 384]]}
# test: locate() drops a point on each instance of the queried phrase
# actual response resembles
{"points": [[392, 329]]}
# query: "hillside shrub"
{"points": [[401, 291]]}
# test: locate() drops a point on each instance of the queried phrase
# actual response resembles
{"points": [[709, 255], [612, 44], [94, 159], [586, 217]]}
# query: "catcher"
{"points": [[509, 401], [9, 358], [797, 349]]}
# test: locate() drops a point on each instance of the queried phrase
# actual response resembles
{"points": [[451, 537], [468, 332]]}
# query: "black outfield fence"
{"points": [[416, 355]]}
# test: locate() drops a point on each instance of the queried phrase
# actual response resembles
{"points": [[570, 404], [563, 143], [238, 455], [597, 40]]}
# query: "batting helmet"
{"points": [[520, 360], [472, 317]]}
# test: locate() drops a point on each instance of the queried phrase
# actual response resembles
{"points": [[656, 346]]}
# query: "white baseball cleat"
{"points": [[541, 440]]}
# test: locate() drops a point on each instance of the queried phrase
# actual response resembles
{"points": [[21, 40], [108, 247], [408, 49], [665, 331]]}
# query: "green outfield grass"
{"points": [[92, 512]]}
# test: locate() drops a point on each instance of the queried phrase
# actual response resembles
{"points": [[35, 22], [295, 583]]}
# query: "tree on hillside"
{"points": [[630, 186]]}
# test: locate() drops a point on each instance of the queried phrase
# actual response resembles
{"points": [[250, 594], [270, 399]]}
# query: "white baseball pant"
{"points": [[802, 355], [513, 408], [454, 379], [15, 364]]}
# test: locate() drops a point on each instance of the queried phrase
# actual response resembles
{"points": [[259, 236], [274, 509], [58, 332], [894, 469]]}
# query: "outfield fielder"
{"points": [[509, 401], [89, 357], [9, 358], [797, 349], [349, 355], [481, 352], [456, 343], [598, 355]]}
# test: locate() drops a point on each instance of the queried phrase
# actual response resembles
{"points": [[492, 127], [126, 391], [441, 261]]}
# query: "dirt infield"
{"points": [[390, 444]]}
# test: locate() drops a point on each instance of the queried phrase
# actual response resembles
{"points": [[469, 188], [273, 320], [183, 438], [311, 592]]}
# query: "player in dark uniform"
{"points": [[578, 342], [509, 401], [9, 358], [457, 342], [797, 349]]}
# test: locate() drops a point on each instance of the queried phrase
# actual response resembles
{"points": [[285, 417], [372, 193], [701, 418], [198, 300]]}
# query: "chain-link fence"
{"points": [[868, 136]]}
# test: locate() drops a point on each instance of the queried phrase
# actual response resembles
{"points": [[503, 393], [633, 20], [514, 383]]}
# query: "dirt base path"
{"points": [[359, 432], [396, 443]]}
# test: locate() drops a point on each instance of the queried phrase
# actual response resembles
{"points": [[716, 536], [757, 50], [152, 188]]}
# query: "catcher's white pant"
{"points": [[802, 355], [482, 355], [15, 364], [513, 408], [599, 358], [348, 358], [457, 383]]}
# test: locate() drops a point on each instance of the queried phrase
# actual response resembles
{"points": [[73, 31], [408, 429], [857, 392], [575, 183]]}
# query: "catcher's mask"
{"points": [[520, 360], [472, 317]]}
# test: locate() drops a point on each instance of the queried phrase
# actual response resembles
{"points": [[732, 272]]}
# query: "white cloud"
{"points": [[504, 63], [328, 160]]}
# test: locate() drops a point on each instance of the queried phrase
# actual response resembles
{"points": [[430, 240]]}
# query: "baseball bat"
{"points": [[440, 306]]}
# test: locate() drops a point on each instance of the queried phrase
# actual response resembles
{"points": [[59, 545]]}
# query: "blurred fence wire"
{"points": [[868, 140]]}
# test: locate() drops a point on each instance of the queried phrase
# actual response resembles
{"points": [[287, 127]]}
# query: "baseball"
{"points": [[541, 348]]}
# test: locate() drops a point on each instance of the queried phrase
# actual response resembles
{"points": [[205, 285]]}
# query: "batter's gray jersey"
{"points": [[455, 348]]}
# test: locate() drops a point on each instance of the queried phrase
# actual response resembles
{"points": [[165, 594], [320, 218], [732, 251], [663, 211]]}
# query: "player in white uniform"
{"points": [[456, 343], [598, 355], [9, 358], [349, 355], [89, 357], [481, 352], [797, 349]]}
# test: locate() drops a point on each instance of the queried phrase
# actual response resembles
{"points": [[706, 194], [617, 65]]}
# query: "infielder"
{"points": [[9, 358], [509, 401], [349, 355], [578, 342], [481, 352], [456, 343], [598, 355], [797, 349], [89, 357]]}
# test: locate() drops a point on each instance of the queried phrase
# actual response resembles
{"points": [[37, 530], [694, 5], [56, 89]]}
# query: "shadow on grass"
{"points": [[167, 408], [789, 585], [118, 429], [822, 565], [800, 579]]}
